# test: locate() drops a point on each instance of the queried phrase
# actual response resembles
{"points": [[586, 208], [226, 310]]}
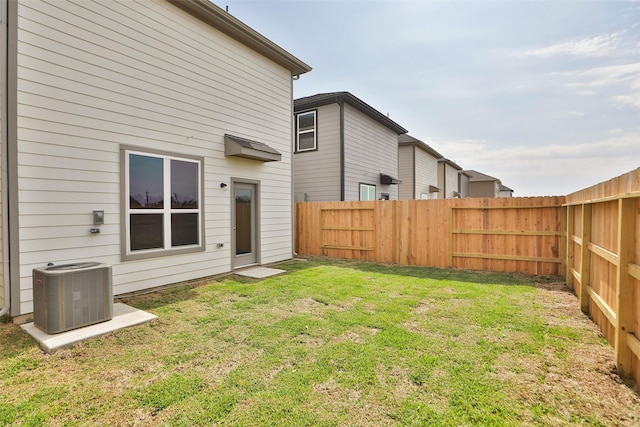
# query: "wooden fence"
{"points": [[510, 234], [603, 262]]}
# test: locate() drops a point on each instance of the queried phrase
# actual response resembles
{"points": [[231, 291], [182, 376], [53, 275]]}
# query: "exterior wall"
{"points": [[406, 171], [464, 185], [426, 174], [483, 189], [95, 76], [451, 181], [317, 173], [370, 149], [505, 193], [447, 180]]}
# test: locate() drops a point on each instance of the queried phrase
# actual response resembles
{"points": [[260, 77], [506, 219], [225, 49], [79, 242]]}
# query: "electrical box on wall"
{"points": [[98, 217]]}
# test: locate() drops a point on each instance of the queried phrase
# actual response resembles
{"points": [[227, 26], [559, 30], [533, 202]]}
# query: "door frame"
{"points": [[256, 221]]}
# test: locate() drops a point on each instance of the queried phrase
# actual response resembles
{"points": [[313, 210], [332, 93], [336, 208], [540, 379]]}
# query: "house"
{"points": [[505, 191], [344, 150], [450, 179], [418, 169], [481, 185], [152, 135]]}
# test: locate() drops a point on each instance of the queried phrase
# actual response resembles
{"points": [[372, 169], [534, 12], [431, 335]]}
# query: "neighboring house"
{"points": [[481, 185], [171, 118], [449, 179], [464, 184], [418, 169], [505, 191], [344, 150]]}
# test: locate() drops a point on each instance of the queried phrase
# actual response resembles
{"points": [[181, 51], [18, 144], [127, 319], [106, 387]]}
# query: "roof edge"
{"points": [[321, 99], [223, 21]]}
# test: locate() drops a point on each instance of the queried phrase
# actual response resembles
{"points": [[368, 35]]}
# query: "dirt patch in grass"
{"points": [[582, 385]]}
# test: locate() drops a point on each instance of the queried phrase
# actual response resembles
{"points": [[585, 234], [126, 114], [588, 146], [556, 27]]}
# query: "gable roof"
{"points": [[450, 163], [221, 20], [475, 176], [407, 140], [321, 99]]}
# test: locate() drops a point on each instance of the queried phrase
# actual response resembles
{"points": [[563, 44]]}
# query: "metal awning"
{"points": [[388, 180], [433, 189], [248, 149]]}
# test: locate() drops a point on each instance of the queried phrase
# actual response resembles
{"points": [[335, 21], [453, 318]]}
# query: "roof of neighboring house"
{"points": [[236, 29], [407, 140], [505, 188], [321, 99], [450, 163], [475, 176]]}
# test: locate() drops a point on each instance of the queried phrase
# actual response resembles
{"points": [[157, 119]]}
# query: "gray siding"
{"points": [[483, 189], [426, 173], [370, 149], [93, 76], [317, 173], [406, 166], [447, 180], [464, 185]]}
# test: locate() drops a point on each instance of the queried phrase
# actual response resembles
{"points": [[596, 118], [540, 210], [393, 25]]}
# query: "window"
{"points": [[306, 131], [367, 192], [163, 204]]}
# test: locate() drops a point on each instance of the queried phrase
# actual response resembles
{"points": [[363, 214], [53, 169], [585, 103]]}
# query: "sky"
{"points": [[543, 95]]}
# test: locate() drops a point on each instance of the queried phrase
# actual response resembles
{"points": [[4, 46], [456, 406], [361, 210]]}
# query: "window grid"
{"points": [[306, 132], [167, 210]]}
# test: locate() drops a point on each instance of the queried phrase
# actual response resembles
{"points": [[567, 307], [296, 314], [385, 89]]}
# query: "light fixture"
{"points": [[222, 185]]}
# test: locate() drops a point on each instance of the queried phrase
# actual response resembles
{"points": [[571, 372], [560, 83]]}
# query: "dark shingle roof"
{"points": [[477, 176], [406, 139], [321, 99]]}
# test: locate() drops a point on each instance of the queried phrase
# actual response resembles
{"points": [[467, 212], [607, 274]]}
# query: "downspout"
{"points": [[342, 168], [413, 158], [10, 211], [444, 180], [293, 195], [4, 49]]}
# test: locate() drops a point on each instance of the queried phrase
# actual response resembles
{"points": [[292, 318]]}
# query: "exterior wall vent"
{"points": [[71, 296]]}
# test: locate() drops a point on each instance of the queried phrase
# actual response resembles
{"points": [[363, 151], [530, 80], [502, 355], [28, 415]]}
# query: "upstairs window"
{"points": [[163, 211], [367, 192], [306, 135]]}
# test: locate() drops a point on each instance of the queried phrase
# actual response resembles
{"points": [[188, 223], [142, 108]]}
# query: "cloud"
{"points": [[617, 43], [548, 169], [621, 83]]}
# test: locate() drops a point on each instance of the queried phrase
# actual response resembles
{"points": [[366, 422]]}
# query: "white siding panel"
{"points": [[405, 172], [370, 149], [451, 181], [95, 75], [426, 172], [317, 173]]}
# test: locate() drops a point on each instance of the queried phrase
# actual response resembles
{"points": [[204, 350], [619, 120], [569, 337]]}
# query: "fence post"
{"points": [[564, 238], [624, 284], [569, 252], [585, 267], [450, 219]]}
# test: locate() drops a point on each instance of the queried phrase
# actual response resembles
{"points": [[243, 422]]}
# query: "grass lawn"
{"points": [[331, 343]]}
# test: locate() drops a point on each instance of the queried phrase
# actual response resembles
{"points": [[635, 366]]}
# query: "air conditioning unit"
{"points": [[71, 296]]}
